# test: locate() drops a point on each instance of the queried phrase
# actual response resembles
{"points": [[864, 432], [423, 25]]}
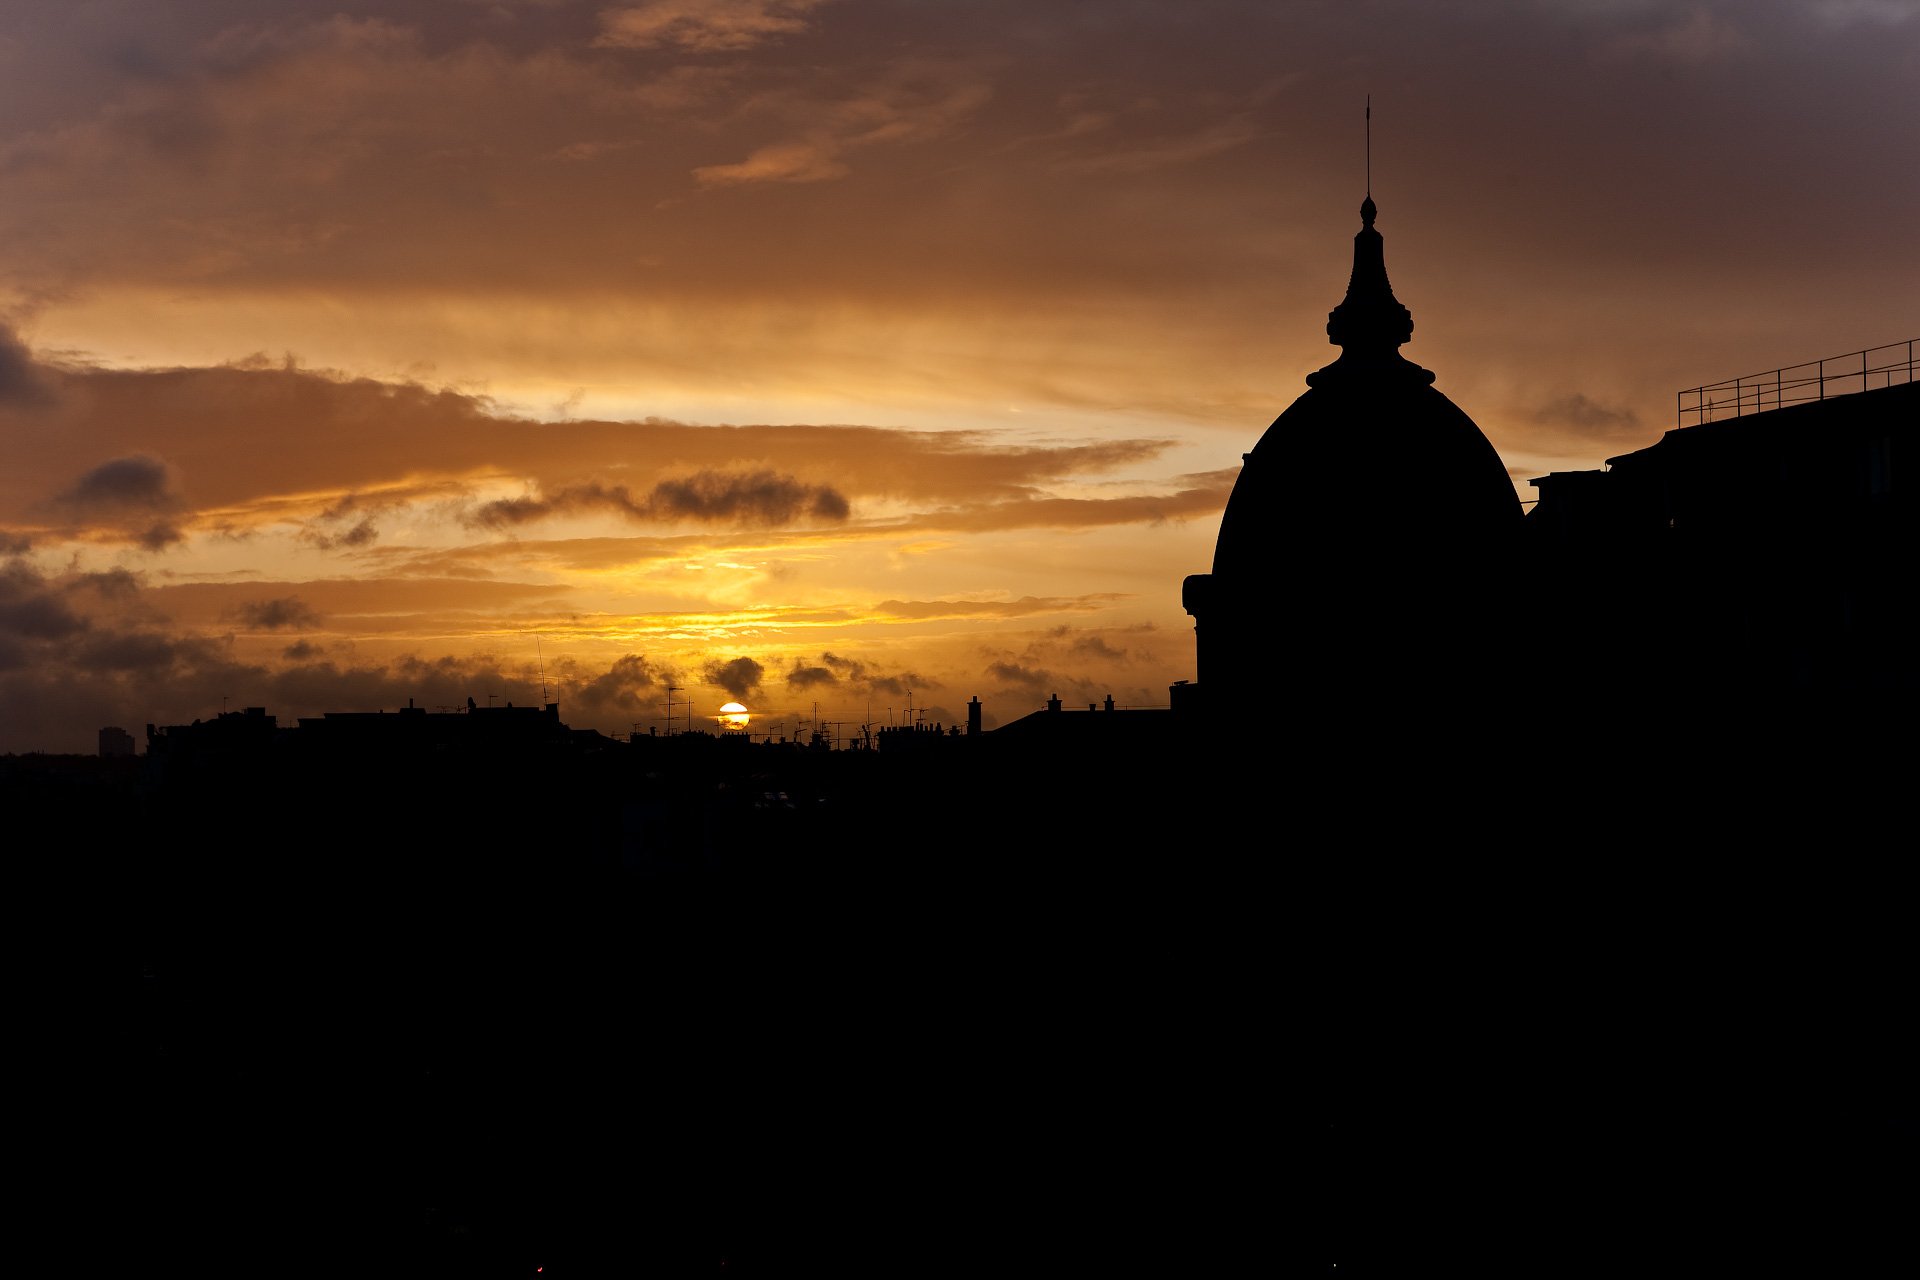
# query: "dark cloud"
{"points": [[274, 615], [802, 676], [146, 653], [754, 498], [22, 380], [362, 534], [159, 536], [110, 584], [1031, 679], [1586, 416], [899, 686], [29, 606], [740, 677], [1094, 646], [849, 668], [855, 676], [135, 483], [624, 686], [317, 685], [14, 544], [303, 651], [30, 610], [759, 497]]}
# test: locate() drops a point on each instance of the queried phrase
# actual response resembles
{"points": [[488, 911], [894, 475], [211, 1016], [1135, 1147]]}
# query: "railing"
{"points": [[1815, 380]]}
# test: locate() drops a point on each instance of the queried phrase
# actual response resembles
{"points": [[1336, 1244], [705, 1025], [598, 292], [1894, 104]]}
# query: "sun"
{"points": [[733, 716]]}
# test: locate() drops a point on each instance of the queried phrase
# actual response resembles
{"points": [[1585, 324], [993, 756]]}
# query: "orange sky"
{"points": [[866, 353]]}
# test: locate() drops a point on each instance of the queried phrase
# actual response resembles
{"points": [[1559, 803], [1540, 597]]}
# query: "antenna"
{"points": [[671, 690], [543, 670], [1369, 144]]}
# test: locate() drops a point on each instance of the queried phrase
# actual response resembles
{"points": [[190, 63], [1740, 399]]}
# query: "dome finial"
{"points": [[1370, 320]]}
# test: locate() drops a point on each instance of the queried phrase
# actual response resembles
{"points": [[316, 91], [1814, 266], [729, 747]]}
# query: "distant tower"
{"points": [[1363, 542], [973, 716]]}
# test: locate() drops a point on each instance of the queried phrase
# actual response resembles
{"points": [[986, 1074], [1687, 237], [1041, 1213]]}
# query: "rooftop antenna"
{"points": [[543, 669], [1369, 144], [671, 690]]}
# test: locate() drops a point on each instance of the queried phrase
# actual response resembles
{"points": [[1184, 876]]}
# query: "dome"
{"points": [[1370, 524]]}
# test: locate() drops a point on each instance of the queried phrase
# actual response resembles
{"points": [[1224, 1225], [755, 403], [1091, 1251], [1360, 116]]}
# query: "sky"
{"points": [[850, 359]]}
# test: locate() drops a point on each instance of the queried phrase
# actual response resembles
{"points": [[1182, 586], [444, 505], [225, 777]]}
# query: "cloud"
{"points": [[1031, 679], [901, 685], [444, 683], [756, 498], [1025, 606], [29, 609], [110, 584], [352, 457], [1586, 416], [137, 652], [362, 534], [159, 536], [136, 483], [905, 108], [855, 676], [740, 677], [125, 494], [623, 686], [278, 614], [303, 651], [802, 676], [815, 161], [703, 26], [23, 382], [1082, 644]]}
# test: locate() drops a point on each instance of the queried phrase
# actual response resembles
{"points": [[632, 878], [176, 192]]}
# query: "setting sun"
{"points": [[733, 716]]}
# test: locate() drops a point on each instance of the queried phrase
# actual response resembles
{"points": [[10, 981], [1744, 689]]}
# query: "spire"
{"points": [[1370, 321]]}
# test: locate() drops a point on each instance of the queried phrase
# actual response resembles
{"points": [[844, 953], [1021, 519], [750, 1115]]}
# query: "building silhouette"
{"points": [[1765, 561]]}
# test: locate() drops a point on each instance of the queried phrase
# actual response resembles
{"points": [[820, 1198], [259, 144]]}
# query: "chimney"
{"points": [[973, 716], [1053, 703], [1109, 702]]}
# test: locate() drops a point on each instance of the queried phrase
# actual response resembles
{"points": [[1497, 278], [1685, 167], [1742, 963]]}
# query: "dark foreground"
{"points": [[1186, 1021]]}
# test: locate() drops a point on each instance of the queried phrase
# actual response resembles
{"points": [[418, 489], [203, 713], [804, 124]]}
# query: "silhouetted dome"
{"points": [[1438, 489], [1368, 527]]}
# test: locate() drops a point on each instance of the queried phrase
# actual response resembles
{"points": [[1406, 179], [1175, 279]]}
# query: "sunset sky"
{"points": [[873, 354]]}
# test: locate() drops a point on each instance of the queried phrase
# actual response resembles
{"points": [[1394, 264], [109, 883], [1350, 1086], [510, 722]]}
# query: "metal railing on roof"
{"points": [[1815, 380]]}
